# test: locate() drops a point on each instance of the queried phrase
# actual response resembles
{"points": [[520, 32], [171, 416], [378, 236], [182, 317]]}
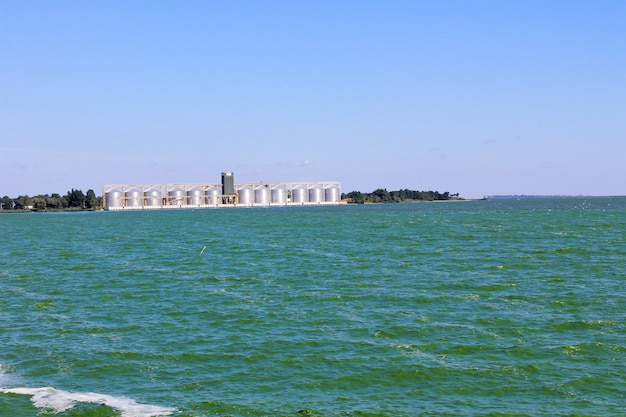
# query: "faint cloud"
{"points": [[51, 152], [437, 153], [156, 166], [244, 167], [290, 164], [19, 166]]}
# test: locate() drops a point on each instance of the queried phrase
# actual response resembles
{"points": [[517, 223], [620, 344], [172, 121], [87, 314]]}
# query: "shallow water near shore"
{"points": [[502, 307]]}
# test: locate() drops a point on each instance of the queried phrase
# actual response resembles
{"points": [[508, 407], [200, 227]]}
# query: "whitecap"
{"points": [[3, 376], [58, 400]]}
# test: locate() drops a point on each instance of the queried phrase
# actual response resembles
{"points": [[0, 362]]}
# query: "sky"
{"points": [[470, 97]]}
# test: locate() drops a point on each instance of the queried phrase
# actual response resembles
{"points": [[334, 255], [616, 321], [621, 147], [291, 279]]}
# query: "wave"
{"points": [[59, 401]]}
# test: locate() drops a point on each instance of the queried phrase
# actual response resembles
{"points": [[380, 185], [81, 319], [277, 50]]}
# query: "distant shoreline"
{"points": [[345, 202], [519, 196]]}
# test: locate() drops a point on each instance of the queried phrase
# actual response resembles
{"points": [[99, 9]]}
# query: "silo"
{"points": [[262, 195], [213, 196], [152, 197], [176, 197], [299, 195], [114, 200], [316, 195], [332, 194], [246, 196], [194, 196], [133, 198], [279, 196]]}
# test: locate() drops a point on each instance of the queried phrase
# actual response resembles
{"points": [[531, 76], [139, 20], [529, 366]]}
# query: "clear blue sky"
{"points": [[474, 97]]}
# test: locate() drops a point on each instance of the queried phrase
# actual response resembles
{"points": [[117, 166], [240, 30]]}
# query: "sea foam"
{"points": [[58, 400], [3, 376]]}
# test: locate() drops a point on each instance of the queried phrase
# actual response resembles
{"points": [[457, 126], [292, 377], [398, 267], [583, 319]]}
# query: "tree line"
{"points": [[381, 195], [73, 200]]}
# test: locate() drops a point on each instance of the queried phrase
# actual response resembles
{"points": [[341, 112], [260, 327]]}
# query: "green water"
{"points": [[486, 308]]}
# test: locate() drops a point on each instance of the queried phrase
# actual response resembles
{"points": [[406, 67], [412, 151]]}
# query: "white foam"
{"points": [[3, 377], [58, 400]]}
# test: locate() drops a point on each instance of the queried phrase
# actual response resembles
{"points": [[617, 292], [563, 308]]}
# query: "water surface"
{"points": [[503, 308]]}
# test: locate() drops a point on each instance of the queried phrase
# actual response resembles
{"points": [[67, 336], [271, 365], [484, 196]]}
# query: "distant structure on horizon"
{"points": [[226, 194]]}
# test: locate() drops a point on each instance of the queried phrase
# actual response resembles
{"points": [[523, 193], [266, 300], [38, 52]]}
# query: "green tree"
{"points": [[355, 197], [76, 198], [23, 202], [91, 201], [6, 203], [55, 201], [39, 202], [381, 195]]}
